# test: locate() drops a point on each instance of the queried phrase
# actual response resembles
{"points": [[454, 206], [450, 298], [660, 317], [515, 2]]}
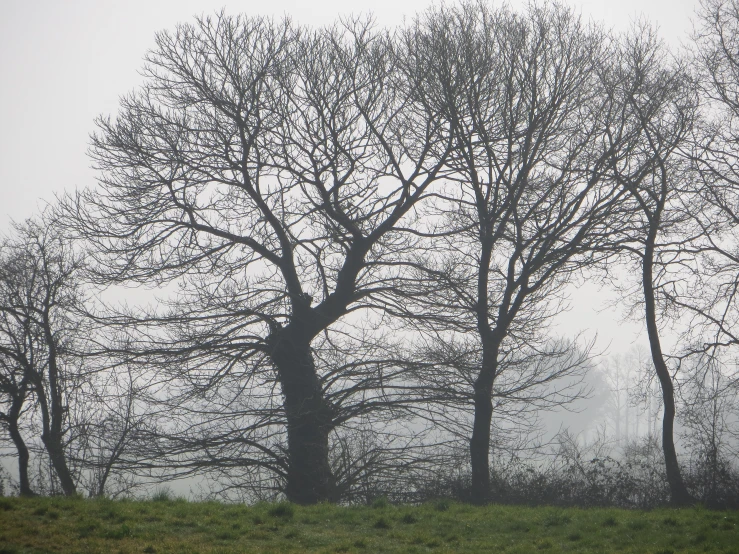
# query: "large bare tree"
{"points": [[268, 170]]}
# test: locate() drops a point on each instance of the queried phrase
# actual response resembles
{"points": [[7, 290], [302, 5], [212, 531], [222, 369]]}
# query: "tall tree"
{"points": [[657, 104], [527, 206], [268, 170]]}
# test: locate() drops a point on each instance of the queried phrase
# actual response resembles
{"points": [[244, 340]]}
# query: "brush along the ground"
{"points": [[34, 525]]}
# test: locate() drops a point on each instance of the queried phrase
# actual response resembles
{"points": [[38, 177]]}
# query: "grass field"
{"points": [[76, 525]]}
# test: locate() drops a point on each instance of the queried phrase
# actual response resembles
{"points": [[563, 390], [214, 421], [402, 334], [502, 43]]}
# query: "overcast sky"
{"points": [[63, 62]]}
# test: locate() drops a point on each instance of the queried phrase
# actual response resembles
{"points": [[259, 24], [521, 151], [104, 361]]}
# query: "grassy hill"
{"points": [[76, 525]]}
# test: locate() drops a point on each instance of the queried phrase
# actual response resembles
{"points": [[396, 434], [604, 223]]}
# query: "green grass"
{"points": [[170, 525]]}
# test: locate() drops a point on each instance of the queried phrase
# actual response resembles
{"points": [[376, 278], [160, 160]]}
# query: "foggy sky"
{"points": [[62, 63]]}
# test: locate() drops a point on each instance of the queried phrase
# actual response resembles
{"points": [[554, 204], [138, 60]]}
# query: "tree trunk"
{"points": [[309, 422], [20, 446], [480, 446], [480, 440], [678, 492], [52, 410], [52, 439], [59, 463]]}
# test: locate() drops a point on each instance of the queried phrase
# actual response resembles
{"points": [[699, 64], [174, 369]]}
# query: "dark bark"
{"points": [[480, 445], [59, 463], [310, 419], [52, 438], [481, 427], [679, 493], [309, 422], [54, 413], [23, 459], [20, 446]]}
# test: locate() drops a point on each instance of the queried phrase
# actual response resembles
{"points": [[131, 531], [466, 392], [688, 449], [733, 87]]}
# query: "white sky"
{"points": [[63, 62]]}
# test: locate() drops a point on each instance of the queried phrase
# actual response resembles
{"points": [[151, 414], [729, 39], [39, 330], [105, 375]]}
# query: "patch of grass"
{"points": [[638, 525], [610, 521], [556, 519], [283, 510], [116, 533], [162, 495], [168, 527], [6, 505], [409, 518], [382, 523], [226, 535], [520, 527], [380, 503], [87, 529]]}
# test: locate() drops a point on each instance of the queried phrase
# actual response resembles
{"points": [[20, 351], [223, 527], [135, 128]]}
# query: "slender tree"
{"points": [[657, 103], [40, 292], [14, 394], [528, 206]]}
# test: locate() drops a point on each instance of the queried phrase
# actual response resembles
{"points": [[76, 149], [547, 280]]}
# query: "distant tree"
{"points": [[108, 421], [710, 414], [39, 292], [617, 377], [14, 385]]}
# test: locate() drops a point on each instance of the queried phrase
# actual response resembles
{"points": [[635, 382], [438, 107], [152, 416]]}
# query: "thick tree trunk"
{"points": [[480, 446], [309, 422], [679, 493], [481, 427], [23, 456]]}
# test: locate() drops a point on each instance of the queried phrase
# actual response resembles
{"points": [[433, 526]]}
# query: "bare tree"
{"points": [[713, 202], [14, 383], [709, 414], [527, 207], [39, 294], [657, 104], [268, 171], [107, 418]]}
